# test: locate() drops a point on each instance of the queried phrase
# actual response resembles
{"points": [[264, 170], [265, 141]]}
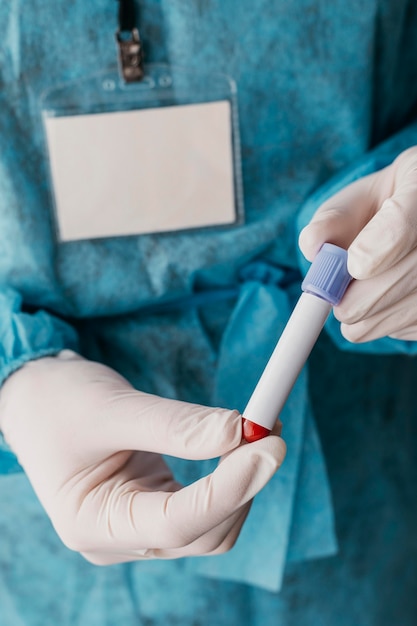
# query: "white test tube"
{"points": [[323, 287]]}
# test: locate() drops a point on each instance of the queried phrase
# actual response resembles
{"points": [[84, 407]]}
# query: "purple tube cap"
{"points": [[328, 277]]}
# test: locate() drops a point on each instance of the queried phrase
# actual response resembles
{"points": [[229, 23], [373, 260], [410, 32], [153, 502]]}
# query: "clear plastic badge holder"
{"points": [[159, 155]]}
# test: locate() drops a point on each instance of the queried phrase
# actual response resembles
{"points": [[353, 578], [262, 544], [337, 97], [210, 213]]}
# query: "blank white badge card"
{"points": [[136, 172]]}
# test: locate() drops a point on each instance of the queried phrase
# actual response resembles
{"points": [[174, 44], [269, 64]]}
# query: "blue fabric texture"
{"points": [[29, 336], [326, 93]]}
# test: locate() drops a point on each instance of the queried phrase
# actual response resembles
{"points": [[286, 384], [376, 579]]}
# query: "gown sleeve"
{"points": [[25, 335]]}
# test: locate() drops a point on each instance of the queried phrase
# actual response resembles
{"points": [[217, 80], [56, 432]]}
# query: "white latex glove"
{"points": [[91, 446], [375, 218]]}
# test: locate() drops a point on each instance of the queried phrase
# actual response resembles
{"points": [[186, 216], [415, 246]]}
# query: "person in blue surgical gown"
{"points": [[115, 351]]}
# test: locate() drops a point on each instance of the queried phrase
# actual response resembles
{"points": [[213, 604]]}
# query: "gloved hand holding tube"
{"points": [[375, 219], [91, 446]]}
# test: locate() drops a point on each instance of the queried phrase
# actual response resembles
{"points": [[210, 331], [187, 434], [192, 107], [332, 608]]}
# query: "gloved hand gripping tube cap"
{"points": [[324, 286], [328, 277]]}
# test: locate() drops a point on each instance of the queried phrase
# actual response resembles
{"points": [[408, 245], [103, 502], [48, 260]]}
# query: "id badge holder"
{"points": [[155, 156]]}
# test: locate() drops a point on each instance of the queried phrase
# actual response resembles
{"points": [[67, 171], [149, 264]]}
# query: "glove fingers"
{"points": [[217, 541], [342, 217], [387, 323], [232, 536], [121, 418], [388, 237], [142, 421], [130, 518], [392, 232], [374, 217], [194, 510], [407, 334], [368, 297]]}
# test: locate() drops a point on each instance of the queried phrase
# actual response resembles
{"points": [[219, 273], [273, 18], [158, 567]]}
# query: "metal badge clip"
{"points": [[130, 55]]}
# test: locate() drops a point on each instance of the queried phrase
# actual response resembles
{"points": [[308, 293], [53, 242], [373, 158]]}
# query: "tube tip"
{"points": [[252, 431]]}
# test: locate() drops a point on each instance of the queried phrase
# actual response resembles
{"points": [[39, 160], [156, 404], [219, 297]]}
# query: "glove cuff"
{"points": [[24, 337]]}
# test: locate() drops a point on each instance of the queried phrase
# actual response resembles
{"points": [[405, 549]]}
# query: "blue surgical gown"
{"points": [[327, 92]]}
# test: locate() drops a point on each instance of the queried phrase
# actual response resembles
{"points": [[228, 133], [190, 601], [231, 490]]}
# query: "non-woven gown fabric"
{"points": [[189, 315]]}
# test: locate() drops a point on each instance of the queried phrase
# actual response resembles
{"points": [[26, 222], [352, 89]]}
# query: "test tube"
{"points": [[323, 287]]}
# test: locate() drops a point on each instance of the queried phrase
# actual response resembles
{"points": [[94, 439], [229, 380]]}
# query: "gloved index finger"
{"points": [[140, 421]]}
